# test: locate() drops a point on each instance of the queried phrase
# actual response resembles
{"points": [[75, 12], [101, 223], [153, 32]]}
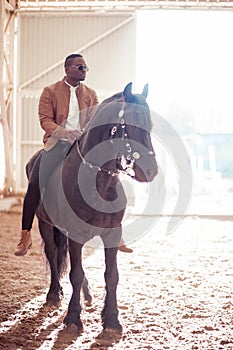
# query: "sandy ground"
{"points": [[175, 292]]}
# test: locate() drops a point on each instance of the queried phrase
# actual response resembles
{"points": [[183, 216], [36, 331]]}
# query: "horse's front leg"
{"points": [[110, 311], [76, 279]]}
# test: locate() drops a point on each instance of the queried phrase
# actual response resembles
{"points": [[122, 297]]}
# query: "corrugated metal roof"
{"points": [[119, 5]]}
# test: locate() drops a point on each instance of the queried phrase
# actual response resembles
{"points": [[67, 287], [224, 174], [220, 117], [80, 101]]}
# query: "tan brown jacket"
{"points": [[54, 107]]}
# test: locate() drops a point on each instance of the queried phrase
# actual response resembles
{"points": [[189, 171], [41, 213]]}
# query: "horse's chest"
{"points": [[84, 209]]}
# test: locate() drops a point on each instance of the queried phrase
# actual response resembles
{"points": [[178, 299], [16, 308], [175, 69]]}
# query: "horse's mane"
{"points": [[118, 97], [115, 97]]}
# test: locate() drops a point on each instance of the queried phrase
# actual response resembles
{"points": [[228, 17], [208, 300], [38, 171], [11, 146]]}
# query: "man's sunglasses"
{"points": [[80, 67]]}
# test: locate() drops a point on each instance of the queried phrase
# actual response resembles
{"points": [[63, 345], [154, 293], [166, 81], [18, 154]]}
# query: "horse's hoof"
{"points": [[73, 324], [53, 303], [113, 331], [53, 299], [110, 335], [88, 302], [111, 324], [73, 328]]}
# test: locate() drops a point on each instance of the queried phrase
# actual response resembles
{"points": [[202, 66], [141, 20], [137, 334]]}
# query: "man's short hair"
{"points": [[69, 59]]}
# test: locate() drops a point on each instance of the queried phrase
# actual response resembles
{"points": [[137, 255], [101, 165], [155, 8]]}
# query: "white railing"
{"points": [[120, 5]]}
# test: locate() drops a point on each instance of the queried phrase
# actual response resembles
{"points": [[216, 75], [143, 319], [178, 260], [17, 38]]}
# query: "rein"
{"points": [[93, 166]]}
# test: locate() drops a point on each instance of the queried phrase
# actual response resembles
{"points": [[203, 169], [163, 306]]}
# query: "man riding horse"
{"points": [[65, 108]]}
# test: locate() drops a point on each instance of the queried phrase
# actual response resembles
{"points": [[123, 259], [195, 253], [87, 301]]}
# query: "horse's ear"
{"points": [[145, 91], [127, 93]]}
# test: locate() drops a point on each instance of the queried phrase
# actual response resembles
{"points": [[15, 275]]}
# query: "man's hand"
{"points": [[72, 135]]}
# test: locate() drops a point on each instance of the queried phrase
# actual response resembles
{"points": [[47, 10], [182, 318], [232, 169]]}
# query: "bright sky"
{"points": [[187, 58]]}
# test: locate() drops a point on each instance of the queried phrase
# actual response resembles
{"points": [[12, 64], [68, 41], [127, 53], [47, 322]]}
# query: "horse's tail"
{"points": [[61, 242]]}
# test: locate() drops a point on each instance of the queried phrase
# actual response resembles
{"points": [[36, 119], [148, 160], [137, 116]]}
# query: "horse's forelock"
{"points": [[141, 117]]}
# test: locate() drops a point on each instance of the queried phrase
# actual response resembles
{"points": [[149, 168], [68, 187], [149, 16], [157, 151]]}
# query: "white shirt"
{"points": [[72, 122]]}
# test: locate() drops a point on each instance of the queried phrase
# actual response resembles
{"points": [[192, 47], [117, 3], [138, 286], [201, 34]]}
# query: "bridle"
{"points": [[127, 161], [131, 156]]}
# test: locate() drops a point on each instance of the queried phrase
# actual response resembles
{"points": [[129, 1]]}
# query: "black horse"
{"points": [[85, 197]]}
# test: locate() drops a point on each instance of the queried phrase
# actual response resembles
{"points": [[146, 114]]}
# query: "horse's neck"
{"points": [[104, 178], [86, 143], [105, 182]]}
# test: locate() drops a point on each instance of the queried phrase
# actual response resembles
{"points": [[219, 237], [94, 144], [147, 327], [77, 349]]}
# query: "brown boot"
{"points": [[24, 244], [123, 248]]}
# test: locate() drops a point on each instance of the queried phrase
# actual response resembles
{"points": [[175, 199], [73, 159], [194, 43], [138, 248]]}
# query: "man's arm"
{"points": [[47, 116], [93, 107]]}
